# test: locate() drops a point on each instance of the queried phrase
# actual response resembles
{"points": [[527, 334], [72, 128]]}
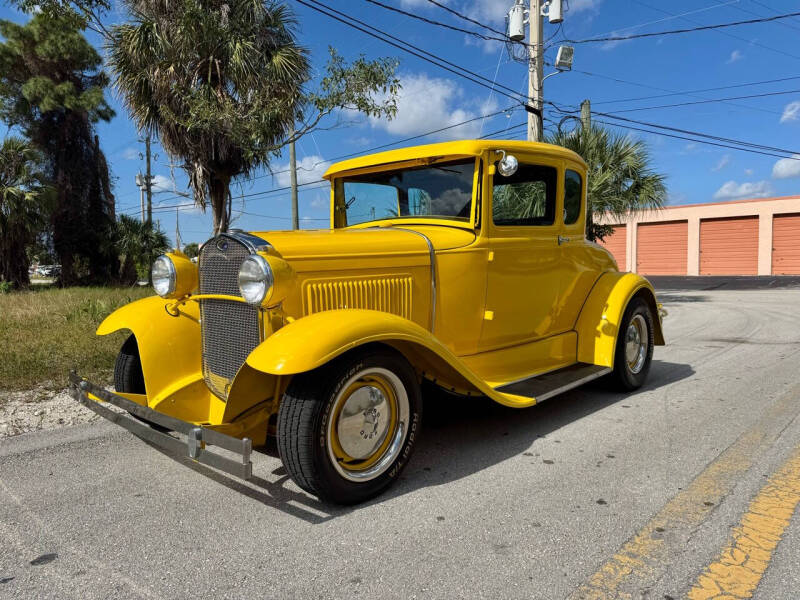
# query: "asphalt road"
{"points": [[686, 488]]}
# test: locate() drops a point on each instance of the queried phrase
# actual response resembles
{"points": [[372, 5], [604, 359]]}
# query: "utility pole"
{"points": [[140, 184], [293, 174], [535, 72], [177, 231], [586, 115], [148, 182]]}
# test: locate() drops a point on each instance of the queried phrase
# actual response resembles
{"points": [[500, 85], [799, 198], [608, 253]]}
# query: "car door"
{"points": [[581, 265], [523, 271]]}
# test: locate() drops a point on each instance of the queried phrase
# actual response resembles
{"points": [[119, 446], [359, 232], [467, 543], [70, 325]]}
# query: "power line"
{"points": [[409, 48], [369, 150], [700, 91], [709, 101], [680, 137], [466, 18], [635, 36], [671, 92], [504, 38], [771, 150], [725, 33]]}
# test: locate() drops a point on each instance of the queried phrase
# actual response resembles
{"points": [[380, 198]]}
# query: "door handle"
{"points": [[562, 240]]}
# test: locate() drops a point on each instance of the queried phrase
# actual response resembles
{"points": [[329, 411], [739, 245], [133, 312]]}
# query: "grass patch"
{"points": [[48, 331]]}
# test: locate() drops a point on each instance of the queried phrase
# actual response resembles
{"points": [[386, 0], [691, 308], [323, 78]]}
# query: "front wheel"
{"points": [[347, 429], [634, 350]]}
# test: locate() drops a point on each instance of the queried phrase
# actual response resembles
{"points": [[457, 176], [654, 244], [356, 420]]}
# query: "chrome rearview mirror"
{"points": [[508, 165]]}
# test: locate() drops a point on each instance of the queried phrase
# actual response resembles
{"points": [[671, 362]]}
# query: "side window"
{"points": [[573, 196], [528, 197]]}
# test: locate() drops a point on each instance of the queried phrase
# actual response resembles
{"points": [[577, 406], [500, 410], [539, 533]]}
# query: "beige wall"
{"points": [[694, 213]]}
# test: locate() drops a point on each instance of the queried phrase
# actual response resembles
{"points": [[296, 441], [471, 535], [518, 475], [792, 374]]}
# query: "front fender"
{"points": [[312, 341], [600, 317], [169, 348]]}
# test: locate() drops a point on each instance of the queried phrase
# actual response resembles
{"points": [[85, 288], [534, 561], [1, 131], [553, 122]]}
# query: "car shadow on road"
{"points": [[460, 437]]}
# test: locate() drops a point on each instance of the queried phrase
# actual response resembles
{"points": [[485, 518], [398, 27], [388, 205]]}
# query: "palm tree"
{"points": [[620, 179], [139, 244], [22, 207], [221, 82]]}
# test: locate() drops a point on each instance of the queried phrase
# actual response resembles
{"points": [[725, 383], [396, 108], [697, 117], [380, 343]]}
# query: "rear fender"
{"points": [[601, 315]]}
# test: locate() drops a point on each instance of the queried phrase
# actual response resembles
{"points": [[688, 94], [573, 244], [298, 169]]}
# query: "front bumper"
{"points": [[197, 437]]}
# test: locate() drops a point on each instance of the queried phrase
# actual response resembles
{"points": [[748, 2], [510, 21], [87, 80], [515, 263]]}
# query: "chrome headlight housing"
{"points": [[255, 279], [164, 276]]}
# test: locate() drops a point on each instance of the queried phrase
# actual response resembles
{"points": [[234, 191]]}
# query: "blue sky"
{"points": [[620, 72]]}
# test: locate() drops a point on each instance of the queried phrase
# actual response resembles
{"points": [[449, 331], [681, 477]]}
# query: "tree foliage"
{"points": [[620, 178], [191, 249], [23, 207], [52, 89], [139, 244], [222, 83]]}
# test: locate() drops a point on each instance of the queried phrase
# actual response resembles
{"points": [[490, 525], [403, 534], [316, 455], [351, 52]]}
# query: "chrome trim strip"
{"points": [[432, 253], [252, 242]]}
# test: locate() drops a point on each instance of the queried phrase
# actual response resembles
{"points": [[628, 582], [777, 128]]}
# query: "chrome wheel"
{"points": [[636, 344], [368, 424]]}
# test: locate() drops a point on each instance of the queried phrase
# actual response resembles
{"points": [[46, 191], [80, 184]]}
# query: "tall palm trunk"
{"points": [[219, 190]]}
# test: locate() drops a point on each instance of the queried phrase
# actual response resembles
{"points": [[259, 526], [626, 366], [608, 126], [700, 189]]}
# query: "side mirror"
{"points": [[508, 165]]}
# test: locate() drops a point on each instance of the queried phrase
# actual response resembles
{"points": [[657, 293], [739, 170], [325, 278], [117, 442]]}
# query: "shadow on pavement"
{"points": [[460, 437]]}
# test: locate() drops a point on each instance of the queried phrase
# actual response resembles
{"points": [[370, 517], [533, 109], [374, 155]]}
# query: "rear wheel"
{"points": [[634, 350], [346, 430]]}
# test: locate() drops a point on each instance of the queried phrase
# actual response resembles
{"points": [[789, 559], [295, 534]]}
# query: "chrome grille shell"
{"points": [[230, 330]]}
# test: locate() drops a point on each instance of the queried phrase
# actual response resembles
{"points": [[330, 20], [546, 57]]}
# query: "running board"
{"points": [[542, 387]]}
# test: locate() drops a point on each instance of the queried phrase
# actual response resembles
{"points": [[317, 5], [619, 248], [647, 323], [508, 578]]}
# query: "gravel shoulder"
{"points": [[40, 409]]}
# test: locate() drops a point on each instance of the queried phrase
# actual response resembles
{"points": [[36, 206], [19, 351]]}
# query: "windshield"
{"points": [[441, 191]]}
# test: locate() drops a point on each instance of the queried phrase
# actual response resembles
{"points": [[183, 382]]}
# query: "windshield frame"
{"points": [[338, 210]]}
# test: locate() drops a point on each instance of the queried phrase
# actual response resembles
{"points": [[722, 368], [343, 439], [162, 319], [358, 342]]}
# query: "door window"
{"points": [[573, 196], [528, 197]]}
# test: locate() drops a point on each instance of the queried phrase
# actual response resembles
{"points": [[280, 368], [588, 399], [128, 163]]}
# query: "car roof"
{"points": [[455, 149]]}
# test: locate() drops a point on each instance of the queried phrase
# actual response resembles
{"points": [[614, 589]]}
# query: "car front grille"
{"points": [[230, 330]]}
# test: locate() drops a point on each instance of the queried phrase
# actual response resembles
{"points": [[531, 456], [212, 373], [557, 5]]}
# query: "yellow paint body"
{"points": [[509, 302]]}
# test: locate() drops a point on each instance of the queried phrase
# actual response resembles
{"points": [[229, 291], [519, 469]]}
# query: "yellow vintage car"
{"points": [[462, 264]]}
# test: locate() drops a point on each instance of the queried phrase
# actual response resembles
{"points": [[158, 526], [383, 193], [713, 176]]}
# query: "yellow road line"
{"points": [[737, 571], [648, 554]]}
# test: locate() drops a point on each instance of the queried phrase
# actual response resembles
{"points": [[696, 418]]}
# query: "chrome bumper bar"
{"points": [[197, 437]]}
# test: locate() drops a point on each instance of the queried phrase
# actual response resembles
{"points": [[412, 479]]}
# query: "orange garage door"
{"points": [[729, 246], [661, 248], [615, 243], [786, 245]]}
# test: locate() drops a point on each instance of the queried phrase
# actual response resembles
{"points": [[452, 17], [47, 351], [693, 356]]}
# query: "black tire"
{"points": [[128, 376], [625, 378], [303, 425]]}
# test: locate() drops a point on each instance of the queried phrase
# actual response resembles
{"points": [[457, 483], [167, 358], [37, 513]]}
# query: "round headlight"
{"points": [[164, 276], [255, 279]]}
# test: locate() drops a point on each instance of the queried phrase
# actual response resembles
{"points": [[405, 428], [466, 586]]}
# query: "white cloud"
{"points": [[690, 147], [731, 190], [787, 167], [161, 184], [130, 154], [722, 163], [309, 168], [576, 6], [749, 172], [791, 112], [428, 103], [735, 55]]}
